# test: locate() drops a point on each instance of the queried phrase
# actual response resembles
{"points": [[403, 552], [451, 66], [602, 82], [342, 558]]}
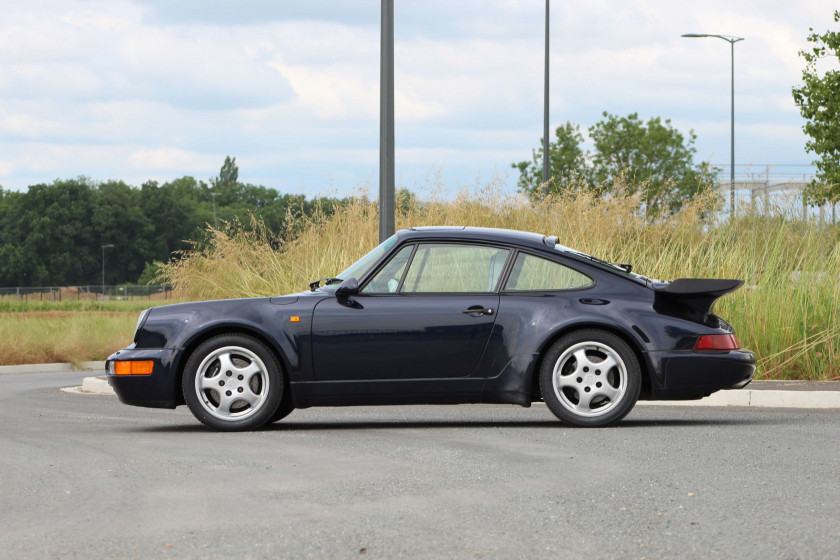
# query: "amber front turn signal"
{"points": [[134, 368]]}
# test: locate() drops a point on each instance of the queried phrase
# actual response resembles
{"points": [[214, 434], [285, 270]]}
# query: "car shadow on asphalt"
{"points": [[290, 426], [543, 424]]}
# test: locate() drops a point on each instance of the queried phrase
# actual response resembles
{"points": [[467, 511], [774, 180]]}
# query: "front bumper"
{"points": [[682, 375], [158, 390]]}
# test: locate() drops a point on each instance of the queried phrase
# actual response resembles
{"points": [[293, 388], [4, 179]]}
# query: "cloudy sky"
{"points": [[157, 89]]}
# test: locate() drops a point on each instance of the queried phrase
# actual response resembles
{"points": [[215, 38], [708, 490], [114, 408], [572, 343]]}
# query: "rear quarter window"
{"points": [[531, 273]]}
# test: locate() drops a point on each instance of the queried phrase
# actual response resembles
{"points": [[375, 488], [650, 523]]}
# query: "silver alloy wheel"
{"points": [[232, 383], [589, 379]]}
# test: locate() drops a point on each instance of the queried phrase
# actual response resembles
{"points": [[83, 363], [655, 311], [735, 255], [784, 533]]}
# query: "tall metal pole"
{"points": [[732, 135], [732, 40], [546, 158], [386, 122]]}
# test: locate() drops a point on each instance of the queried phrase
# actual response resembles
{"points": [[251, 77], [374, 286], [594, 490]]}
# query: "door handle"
{"points": [[477, 310]]}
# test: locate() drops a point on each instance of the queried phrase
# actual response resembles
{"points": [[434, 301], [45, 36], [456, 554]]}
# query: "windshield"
{"points": [[361, 266]]}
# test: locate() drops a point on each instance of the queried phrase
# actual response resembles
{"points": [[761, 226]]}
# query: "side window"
{"points": [[451, 268], [387, 280], [532, 273]]}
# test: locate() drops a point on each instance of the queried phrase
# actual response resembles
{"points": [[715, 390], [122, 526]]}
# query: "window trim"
{"points": [[385, 263], [511, 250]]}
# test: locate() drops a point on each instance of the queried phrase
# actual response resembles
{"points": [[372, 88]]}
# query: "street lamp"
{"points": [[213, 196], [386, 122], [103, 266], [546, 159], [731, 40]]}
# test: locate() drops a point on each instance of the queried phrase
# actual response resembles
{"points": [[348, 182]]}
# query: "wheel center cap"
{"points": [[589, 379]]}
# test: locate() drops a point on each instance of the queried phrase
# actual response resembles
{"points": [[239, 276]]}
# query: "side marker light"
{"points": [[134, 368]]}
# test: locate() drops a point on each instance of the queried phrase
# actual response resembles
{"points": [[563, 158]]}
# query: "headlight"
{"points": [[142, 319]]}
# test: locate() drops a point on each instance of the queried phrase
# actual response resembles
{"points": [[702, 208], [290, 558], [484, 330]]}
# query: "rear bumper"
{"points": [[687, 374], [158, 390]]}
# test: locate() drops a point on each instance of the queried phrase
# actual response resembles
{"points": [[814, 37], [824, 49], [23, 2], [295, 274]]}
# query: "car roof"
{"points": [[497, 235], [515, 237]]}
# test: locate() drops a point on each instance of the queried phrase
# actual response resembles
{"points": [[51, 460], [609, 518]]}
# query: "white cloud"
{"points": [[168, 159], [141, 89]]}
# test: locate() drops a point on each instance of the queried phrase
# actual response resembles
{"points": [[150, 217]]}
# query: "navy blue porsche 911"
{"points": [[441, 315]]}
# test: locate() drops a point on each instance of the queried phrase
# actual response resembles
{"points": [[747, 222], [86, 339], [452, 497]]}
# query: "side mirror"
{"points": [[347, 288]]}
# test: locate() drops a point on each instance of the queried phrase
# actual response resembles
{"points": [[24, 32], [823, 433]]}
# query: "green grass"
{"points": [[133, 306], [63, 336], [786, 312]]}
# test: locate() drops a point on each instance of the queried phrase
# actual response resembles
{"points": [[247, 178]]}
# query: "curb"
{"points": [[92, 386], [52, 368], [762, 399]]}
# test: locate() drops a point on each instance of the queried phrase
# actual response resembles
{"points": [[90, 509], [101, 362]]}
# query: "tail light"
{"points": [[716, 343]]}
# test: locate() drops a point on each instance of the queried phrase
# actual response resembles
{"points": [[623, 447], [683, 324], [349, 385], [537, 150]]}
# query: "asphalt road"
{"points": [[86, 477]]}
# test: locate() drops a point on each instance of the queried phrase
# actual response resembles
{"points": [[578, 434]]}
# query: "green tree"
{"points": [[117, 216], [53, 233], [819, 102], [175, 211], [227, 185], [12, 259], [567, 162], [653, 157], [656, 158], [229, 174], [55, 236]]}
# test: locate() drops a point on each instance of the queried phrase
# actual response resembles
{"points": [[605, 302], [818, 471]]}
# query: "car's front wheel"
{"points": [[286, 407], [233, 382], [590, 378]]}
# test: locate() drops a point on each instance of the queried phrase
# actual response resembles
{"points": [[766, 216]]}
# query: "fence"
{"points": [[85, 293], [771, 188]]}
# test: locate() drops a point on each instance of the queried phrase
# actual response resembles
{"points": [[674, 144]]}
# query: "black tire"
{"points": [[233, 382], [286, 407], [579, 390]]}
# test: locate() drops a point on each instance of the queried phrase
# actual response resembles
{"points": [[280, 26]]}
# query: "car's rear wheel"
{"points": [[233, 382], [286, 407], [590, 378]]}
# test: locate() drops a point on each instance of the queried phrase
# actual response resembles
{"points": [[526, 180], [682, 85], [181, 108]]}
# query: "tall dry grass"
{"points": [[63, 336], [787, 311]]}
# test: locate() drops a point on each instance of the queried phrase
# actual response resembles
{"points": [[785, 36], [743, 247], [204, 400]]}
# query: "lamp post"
{"points": [[731, 40], [213, 196], [103, 266], [387, 195], [546, 158]]}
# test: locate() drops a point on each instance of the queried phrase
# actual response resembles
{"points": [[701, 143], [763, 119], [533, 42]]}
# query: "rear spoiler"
{"points": [[692, 298]]}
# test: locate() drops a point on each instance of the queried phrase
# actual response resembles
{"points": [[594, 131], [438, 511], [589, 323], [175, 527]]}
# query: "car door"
{"points": [[427, 313]]}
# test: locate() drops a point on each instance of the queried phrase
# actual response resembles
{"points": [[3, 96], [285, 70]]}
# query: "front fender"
{"points": [[284, 328]]}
